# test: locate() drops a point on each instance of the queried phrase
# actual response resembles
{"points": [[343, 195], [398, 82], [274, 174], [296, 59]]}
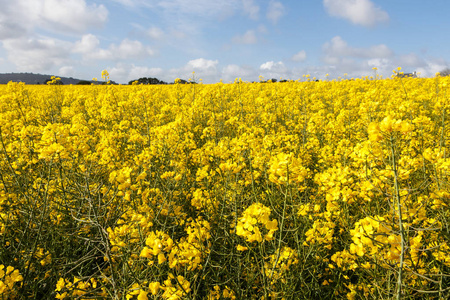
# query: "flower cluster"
{"points": [[268, 190], [8, 279], [255, 224]]}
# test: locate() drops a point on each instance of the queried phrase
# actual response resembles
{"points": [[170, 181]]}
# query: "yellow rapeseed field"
{"points": [[288, 190]]}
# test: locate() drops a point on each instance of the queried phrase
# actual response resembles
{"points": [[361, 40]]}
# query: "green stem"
{"points": [[400, 221]]}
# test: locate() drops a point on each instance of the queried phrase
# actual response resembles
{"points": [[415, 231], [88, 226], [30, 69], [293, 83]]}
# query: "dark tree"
{"points": [[53, 82], [84, 82], [145, 80], [445, 72]]}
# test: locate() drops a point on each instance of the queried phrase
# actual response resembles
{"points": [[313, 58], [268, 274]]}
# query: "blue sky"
{"points": [[223, 39]]}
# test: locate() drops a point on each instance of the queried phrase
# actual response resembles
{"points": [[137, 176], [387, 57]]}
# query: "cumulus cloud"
{"points": [[275, 70], [337, 48], [137, 72], [251, 9], [89, 44], [410, 60], [359, 12], [31, 54], [271, 66], [10, 21], [341, 58], [72, 15], [21, 20], [275, 11], [211, 71], [248, 38], [432, 67], [379, 63], [203, 68], [130, 49], [233, 71], [66, 71], [202, 64], [155, 33], [299, 56], [124, 73], [22, 17], [207, 70]]}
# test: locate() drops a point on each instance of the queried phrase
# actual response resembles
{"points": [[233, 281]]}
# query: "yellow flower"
{"points": [[61, 296], [142, 295], [60, 284], [161, 258], [154, 287], [105, 74], [241, 248], [255, 215]]}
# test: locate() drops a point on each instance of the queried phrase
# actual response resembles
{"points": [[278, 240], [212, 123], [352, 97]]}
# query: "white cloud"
{"points": [[123, 73], [410, 63], [274, 70], [31, 54], [275, 11], [203, 68], [410, 60], [20, 18], [138, 72], [155, 33], [337, 48], [379, 63], [270, 65], [299, 56], [88, 46], [72, 15], [341, 58], [207, 70], [10, 21], [359, 12], [202, 64], [130, 49], [231, 72], [120, 73], [248, 38], [66, 71], [251, 9], [432, 67], [211, 72]]}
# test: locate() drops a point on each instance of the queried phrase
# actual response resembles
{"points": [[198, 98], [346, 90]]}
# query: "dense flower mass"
{"points": [[269, 190]]}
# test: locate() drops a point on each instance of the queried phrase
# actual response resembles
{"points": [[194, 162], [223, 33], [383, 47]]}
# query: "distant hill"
{"points": [[30, 78]]}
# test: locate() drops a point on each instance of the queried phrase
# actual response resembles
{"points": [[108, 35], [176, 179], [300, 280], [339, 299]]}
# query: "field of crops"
{"points": [[294, 190]]}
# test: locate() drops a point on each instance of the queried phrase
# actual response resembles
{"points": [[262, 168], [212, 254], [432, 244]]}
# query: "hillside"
{"points": [[30, 78]]}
